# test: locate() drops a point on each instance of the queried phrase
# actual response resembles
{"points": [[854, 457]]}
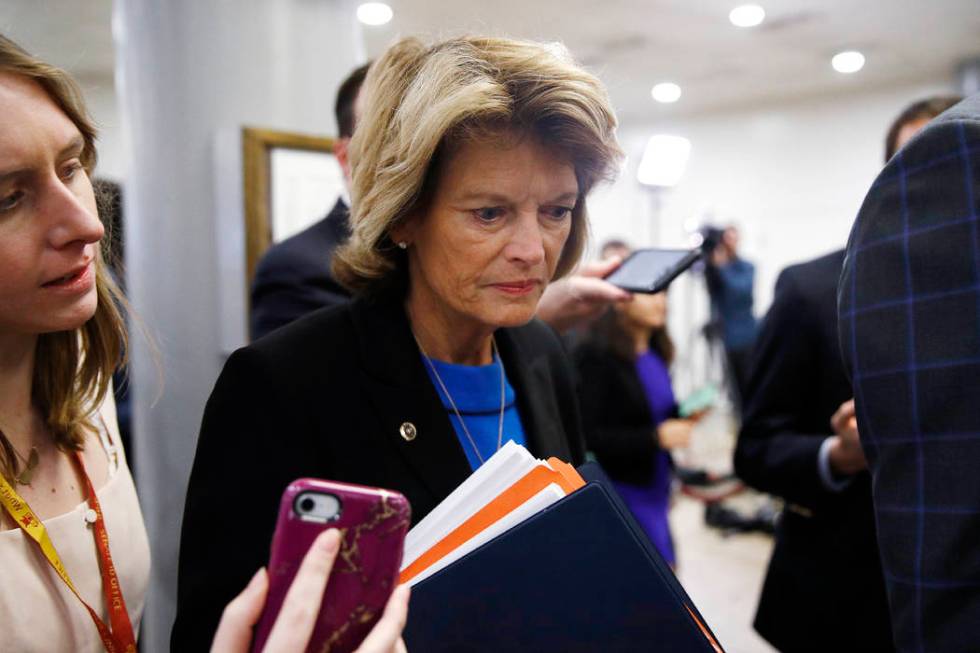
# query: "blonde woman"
{"points": [[471, 166], [74, 558]]}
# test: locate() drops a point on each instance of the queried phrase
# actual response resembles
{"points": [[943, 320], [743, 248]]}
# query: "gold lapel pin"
{"points": [[408, 431]]}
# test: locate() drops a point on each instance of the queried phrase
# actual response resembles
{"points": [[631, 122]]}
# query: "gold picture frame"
{"points": [[258, 146]]}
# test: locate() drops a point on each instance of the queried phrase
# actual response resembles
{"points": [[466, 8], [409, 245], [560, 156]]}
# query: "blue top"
{"points": [[650, 503], [476, 391], [655, 379]]}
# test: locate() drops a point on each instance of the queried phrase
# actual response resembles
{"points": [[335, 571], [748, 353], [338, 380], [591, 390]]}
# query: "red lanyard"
{"points": [[120, 639]]}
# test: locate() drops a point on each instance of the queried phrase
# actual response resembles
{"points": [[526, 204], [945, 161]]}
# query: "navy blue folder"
{"points": [[578, 576]]}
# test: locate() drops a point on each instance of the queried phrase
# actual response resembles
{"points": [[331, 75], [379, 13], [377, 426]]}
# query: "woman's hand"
{"points": [[294, 625], [846, 454], [675, 433], [578, 299]]}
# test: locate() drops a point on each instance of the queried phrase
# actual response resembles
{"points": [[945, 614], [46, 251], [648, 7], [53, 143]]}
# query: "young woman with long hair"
{"points": [[72, 540], [74, 557], [629, 411]]}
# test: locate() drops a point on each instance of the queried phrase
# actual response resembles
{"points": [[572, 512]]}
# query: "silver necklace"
{"points": [[500, 421]]}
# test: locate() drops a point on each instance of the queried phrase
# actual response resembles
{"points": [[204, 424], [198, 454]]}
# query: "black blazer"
{"points": [[293, 278], [616, 417], [326, 397], [910, 329], [824, 590]]}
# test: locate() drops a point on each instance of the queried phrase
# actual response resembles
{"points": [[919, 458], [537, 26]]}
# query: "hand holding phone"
{"points": [[674, 433], [651, 270], [372, 524], [574, 301], [294, 625]]}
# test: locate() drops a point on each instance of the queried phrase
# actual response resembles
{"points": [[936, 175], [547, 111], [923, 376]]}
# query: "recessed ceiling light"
{"points": [[666, 92], [747, 15], [849, 61], [374, 13]]}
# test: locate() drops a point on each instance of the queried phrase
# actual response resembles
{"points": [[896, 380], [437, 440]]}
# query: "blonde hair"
{"points": [[421, 102], [72, 369]]}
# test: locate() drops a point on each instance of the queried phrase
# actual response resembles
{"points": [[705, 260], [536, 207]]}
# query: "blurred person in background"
{"points": [[471, 162], [109, 194], [913, 118], [909, 324], [629, 411], [293, 278], [731, 283], [799, 440]]}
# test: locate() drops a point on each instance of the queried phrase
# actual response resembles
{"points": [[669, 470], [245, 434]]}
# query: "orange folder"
{"points": [[562, 474]]}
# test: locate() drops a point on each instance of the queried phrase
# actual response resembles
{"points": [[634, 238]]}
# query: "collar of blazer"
{"points": [[337, 222], [400, 391]]}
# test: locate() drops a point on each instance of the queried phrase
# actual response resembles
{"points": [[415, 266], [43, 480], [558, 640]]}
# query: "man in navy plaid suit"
{"points": [[909, 322]]}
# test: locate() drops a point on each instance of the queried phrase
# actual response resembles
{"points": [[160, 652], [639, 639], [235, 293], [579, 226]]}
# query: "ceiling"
{"points": [[633, 44], [630, 44], [73, 34]]}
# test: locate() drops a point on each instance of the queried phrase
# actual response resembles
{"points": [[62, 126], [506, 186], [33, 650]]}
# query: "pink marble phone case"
{"points": [[372, 523]]}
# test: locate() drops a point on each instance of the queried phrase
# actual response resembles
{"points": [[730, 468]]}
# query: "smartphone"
{"points": [[652, 270], [699, 401], [372, 523]]}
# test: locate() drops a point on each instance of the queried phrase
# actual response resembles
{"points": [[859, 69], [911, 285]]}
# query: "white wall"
{"points": [[103, 105], [792, 176]]}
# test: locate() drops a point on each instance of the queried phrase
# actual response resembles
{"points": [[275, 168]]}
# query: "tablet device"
{"points": [[652, 270]]}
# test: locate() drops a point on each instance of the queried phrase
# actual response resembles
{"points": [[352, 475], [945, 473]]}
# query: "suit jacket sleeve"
{"points": [[235, 486], [571, 414], [624, 445], [774, 453], [909, 306], [284, 291], [564, 382]]}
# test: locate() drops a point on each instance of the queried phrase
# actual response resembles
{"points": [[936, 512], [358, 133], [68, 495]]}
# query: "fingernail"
{"points": [[256, 579], [329, 541]]}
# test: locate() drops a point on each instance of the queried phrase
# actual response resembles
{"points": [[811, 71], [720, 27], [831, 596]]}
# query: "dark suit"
{"points": [[293, 278], [618, 423], [824, 590], [326, 397], [910, 332]]}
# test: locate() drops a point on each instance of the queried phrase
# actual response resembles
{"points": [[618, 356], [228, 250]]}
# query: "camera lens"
{"points": [[314, 506]]}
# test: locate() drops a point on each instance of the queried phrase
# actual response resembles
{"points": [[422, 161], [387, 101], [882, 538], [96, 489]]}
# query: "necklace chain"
{"points": [[445, 390], [26, 474], [30, 463]]}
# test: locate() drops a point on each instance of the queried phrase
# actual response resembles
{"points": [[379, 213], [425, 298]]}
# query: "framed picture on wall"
{"points": [[291, 181]]}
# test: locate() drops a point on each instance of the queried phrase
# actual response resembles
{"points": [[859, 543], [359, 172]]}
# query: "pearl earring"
{"points": [[402, 244]]}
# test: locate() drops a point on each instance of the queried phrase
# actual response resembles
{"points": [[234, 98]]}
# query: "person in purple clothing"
{"points": [[629, 412]]}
